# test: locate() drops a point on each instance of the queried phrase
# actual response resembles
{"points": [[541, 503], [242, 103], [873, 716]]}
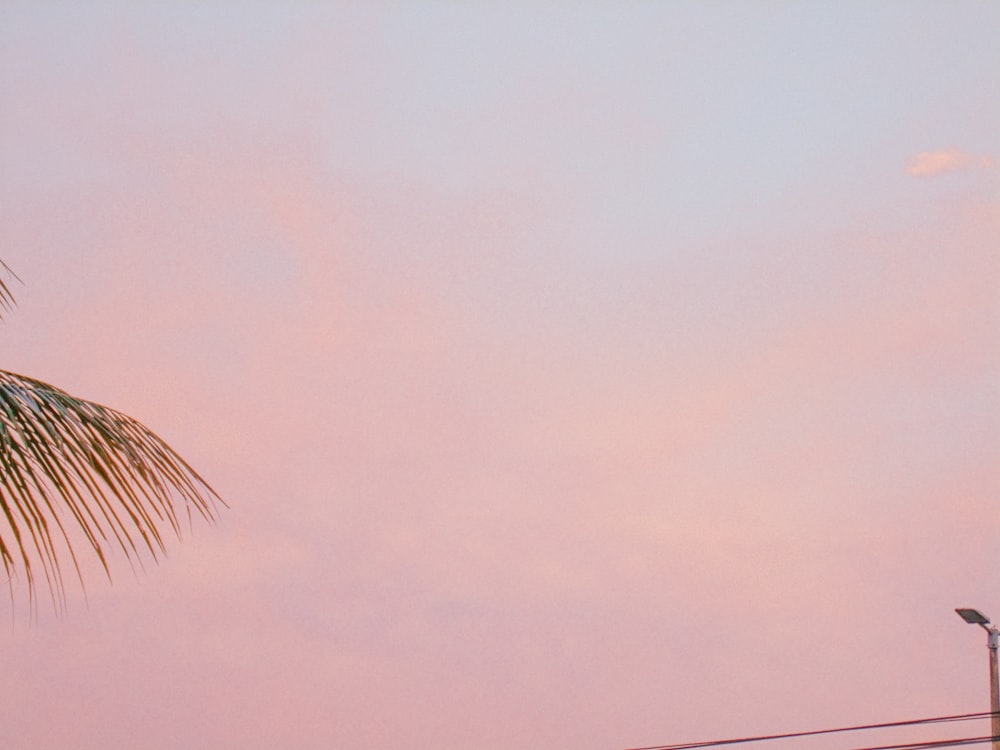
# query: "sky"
{"points": [[578, 375]]}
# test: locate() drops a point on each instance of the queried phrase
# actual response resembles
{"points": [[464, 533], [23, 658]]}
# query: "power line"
{"points": [[815, 732]]}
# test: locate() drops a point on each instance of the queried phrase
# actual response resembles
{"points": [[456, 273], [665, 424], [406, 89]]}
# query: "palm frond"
{"points": [[73, 471], [6, 298]]}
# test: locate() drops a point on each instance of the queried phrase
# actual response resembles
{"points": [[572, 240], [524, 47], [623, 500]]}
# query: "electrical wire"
{"points": [[816, 732]]}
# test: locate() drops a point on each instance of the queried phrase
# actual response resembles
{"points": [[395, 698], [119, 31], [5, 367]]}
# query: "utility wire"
{"points": [[815, 732]]}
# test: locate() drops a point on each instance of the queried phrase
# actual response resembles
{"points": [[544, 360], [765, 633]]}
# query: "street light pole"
{"points": [[994, 636], [975, 617]]}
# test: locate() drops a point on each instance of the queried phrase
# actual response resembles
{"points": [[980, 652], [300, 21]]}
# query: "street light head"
{"points": [[973, 616]]}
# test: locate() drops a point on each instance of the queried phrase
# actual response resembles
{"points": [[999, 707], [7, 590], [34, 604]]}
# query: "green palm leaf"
{"points": [[74, 472]]}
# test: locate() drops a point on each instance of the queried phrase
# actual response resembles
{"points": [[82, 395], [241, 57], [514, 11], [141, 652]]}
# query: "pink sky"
{"points": [[584, 377]]}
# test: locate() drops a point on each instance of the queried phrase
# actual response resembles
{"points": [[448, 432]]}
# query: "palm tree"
{"points": [[73, 471]]}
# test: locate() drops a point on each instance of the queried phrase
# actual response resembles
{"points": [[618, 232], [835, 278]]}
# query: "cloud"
{"points": [[931, 163]]}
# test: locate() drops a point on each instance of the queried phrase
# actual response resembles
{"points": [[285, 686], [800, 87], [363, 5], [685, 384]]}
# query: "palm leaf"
{"points": [[71, 471], [6, 298]]}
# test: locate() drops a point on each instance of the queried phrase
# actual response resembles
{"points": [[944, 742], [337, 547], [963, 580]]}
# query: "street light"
{"points": [[975, 617]]}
